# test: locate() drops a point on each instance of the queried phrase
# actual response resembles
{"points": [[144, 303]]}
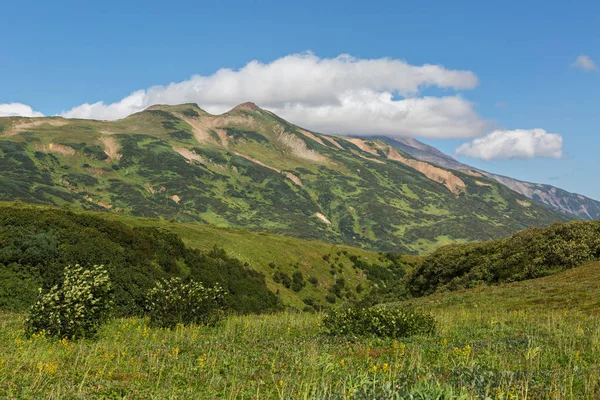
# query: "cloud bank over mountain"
{"points": [[519, 143], [343, 95]]}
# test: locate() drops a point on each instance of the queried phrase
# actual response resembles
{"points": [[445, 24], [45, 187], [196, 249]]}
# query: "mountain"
{"points": [[572, 204], [250, 169]]}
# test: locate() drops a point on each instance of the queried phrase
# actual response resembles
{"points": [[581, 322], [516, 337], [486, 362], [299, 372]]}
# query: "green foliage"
{"points": [[529, 254], [18, 287], [379, 322], [36, 244], [384, 205], [337, 288], [173, 301], [536, 339], [75, 308], [330, 298], [298, 282], [282, 278]]}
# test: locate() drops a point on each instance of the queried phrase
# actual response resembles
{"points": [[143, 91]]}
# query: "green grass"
{"points": [[501, 343], [576, 290], [259, 249], [262, 250]]}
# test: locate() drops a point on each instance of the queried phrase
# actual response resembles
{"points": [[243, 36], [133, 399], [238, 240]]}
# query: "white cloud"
{"points": [[18, 110], [519, 143], [585, 63], [337, 95]]}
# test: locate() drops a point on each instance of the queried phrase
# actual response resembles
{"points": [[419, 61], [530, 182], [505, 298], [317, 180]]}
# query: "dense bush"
{"points": [[74, 309], [173, 301], [381, 322], [298, 282], [36, 244], [283, 278], [532, 253]]}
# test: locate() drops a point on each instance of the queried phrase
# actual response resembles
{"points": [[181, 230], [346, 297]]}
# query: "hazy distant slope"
{"points": [[558, 199]]}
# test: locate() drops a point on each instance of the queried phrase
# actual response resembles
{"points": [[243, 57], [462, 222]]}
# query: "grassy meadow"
{"points": [[537, 339]]}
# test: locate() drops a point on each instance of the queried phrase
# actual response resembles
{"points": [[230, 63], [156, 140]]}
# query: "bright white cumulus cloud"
{"points": [[18, 110], [519, 143], [342, 95]]}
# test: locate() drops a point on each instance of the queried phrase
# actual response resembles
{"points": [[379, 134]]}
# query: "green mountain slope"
{"points": [[560, 200], [249, 168], [36, 242]]}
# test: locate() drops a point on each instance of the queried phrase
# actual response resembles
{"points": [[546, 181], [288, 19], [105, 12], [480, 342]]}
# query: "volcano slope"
{"points": [[250, 169]]}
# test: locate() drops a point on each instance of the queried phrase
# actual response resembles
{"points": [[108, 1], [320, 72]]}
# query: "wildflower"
{"points": [[281, 382], [385, 367], [202, 361], [350, 393], [374, 368], [174, 352], [342, 363]]}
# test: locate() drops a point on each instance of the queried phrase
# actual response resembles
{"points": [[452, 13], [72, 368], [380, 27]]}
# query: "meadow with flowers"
{"points": [[536, 339]]}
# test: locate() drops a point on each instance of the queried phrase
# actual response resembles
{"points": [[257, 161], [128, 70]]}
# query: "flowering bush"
{"points": [[381, 322], [76, 308], [173, 302]]}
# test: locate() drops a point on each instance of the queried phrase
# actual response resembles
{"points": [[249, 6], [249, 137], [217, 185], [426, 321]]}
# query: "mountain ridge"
{"points": [[570, 203], [251, 169]]}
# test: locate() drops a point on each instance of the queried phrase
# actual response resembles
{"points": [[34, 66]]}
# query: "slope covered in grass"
{"points": [[575, 290], [250, 169], [537, 339], [528, 254], [37, 242]]}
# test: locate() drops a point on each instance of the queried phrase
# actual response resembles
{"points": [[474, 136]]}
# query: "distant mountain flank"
{"points": [[555, 198], [249, 168]]}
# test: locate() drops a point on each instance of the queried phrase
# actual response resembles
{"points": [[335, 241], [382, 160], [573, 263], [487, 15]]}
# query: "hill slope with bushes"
{"points": [[250, 169], [529, 254], [260, 271]]}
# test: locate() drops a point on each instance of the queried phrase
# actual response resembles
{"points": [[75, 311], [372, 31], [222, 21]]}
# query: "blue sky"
{"points": [[57, 57]]}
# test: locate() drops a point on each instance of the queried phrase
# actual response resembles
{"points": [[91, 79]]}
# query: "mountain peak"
{"points": [[246, 106]]}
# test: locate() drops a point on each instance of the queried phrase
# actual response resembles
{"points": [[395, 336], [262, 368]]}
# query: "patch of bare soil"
{"points": [[297, 145], [23, 125], [446, 178], [111, 147], [310, 135], [323, 218]]}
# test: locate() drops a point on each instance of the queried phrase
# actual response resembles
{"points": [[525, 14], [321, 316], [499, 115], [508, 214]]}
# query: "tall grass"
{"points": [[478, 354]]}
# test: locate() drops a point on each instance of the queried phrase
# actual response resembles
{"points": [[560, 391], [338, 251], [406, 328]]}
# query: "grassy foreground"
{"points": [[506, 351]]}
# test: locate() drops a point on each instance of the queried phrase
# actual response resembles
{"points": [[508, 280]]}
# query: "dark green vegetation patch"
{"points": [[37, 244], [532, 253]]}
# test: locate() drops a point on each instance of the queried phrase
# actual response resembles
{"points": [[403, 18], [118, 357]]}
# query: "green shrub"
{"points": [[528, 254], [173, 301], [75, 308], [37, 243], [331, 298], [298, 282], [380, 322], [283, 278]]}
